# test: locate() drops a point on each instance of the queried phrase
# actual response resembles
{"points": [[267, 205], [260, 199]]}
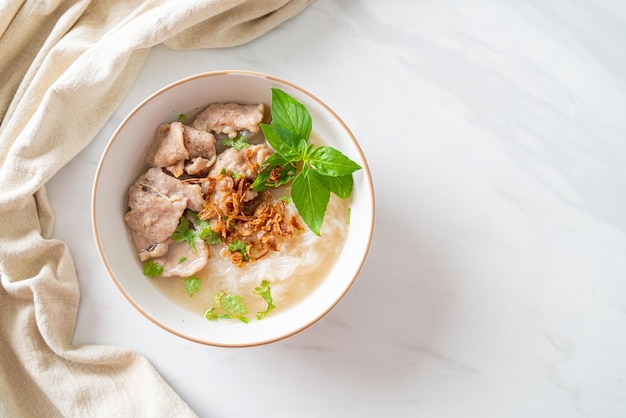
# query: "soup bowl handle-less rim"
{"points": [[123, 161]]}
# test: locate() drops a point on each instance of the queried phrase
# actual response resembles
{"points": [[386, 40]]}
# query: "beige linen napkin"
{"points": [[64, 68]]}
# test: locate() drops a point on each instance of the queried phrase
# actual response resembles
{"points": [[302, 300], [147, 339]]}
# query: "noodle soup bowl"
{"points": [[124, 160]]}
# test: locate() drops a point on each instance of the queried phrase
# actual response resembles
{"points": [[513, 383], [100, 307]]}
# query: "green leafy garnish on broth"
{"points": [[232, 306], [192, 285], [310, 195], [239, 246], [152, 269], [324, 170], [192, 232], [182, 260], [265, 292], [227, 306], [182, 117], [238, 143], [204, 230], [184, 232]]}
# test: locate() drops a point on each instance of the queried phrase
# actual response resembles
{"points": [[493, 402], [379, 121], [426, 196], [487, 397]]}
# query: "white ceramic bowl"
{"points": [[123, 161]]}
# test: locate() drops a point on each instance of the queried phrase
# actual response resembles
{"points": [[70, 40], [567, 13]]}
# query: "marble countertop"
{"points": [[496, 281]]}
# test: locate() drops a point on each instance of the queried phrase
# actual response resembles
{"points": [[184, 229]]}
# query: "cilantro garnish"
{"points": [[324, 169], [227, 307], [192, 285], [184, 232], [152, 269], [241, 247], [238, 143], [182, 117], [264, 292], [204, 230], [230, 306], [191, 232], [182, 259]]}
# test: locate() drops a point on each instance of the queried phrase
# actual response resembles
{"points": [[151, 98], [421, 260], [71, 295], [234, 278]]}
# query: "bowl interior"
{"points": [[124, 160]]}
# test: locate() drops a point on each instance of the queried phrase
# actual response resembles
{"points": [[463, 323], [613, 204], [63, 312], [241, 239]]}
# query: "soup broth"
{"points": [[293, 272]]}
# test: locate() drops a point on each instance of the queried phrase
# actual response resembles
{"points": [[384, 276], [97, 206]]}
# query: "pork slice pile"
{"points": [[182, 159]]}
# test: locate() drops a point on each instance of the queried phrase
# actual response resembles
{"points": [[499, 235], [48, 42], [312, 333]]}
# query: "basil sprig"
{"points": [[316, 171]]}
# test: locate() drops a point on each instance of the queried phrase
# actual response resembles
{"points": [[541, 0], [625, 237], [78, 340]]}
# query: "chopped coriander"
{"points": [[324, 169], [231, 306], [227, 307], [238, 143], [152, 269], [348, 217], [265, 293], [182, 259], [204, 230], [182, 117], [185, 232], [191, 232], [241, 247], [192, 285]]}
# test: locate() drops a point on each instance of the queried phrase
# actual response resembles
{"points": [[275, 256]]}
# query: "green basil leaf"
{"points": [[274, 172], [287, 143], [290, 114], [341, 185], [331, 162], [310, 194]]}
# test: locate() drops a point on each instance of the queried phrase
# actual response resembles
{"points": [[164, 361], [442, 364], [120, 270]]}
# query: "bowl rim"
{"points": [[115, 136]]}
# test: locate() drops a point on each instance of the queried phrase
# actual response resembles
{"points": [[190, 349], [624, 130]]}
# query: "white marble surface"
{"points": [[496, 281]]}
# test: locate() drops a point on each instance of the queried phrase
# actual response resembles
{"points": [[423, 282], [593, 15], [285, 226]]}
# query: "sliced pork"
{"points": [[230, 118], [169, 145], [157, 201], [182, 149], [181, 261], [246, 162]]}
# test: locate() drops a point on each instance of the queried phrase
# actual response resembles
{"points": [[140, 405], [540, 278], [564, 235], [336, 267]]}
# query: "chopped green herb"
{"points": [[348, 217], [192, 285], [204, 230], [152, 269], [182, 117], [238, 143], [324, 169], [185, 232], [191, 232], [182, 260], [265, 292], [231, 306], [241, 247], [227, 307]]}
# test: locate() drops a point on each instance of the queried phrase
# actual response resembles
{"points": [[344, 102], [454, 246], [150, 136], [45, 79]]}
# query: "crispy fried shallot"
{"points": [[236, 213]]}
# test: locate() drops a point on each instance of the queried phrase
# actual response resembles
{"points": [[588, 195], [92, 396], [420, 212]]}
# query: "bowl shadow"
{"points": [[387, 323]]}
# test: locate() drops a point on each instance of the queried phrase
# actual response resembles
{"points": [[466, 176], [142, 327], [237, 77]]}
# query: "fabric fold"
{"points": [[66, 67]]}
